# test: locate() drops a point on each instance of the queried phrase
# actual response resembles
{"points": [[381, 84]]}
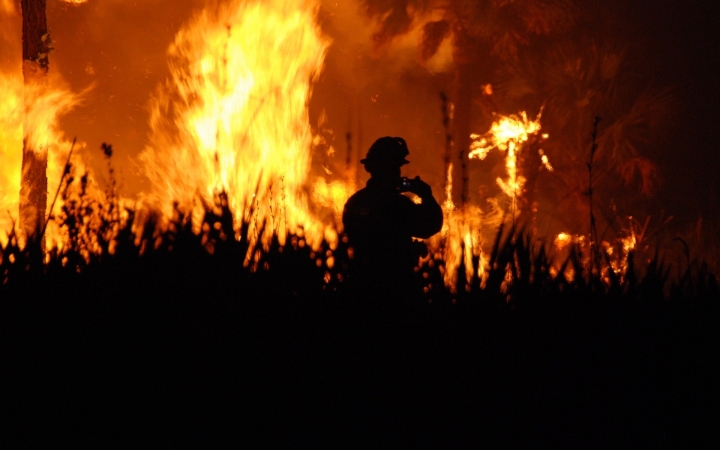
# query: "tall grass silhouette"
{"points": [[148, 331]]}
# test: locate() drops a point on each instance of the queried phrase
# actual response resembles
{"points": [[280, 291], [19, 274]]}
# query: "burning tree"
{"points": [[484, 34], [36, 46], [33, 149], [232, 115], [577, 81], [515, 56]]}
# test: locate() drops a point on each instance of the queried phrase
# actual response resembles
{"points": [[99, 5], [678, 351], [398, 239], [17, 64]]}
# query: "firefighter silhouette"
{"points": [[381, 222]]}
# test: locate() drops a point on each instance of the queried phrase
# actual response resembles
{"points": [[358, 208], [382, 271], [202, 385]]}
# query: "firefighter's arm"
{"points": [[427, 217]]}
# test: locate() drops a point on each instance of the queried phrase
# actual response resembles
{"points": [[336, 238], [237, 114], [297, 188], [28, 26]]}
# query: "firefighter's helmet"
{"points": [[386, 151]]}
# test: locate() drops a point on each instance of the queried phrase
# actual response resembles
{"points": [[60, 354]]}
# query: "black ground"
{"points": [[177, 347]]}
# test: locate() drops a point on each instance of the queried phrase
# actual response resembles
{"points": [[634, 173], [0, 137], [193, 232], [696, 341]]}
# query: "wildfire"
{"points": [[332, 196], [448, 205], [562, 240], [619, 252], [10, 151], [31, 113], [459, 241], [233, 116], [462, 239], [616, 252], [508, 134]]}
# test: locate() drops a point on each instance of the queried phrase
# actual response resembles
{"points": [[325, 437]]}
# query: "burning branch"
{"points": [[509, 134]]}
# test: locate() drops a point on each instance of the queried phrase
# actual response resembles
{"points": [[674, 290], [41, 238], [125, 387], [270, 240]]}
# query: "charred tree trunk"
{"points": [[530, 166], [462, 118], [470, 74], [33, 189], [448, 142]]}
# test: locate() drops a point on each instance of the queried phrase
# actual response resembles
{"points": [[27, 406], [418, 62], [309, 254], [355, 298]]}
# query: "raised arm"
{"points": [[426, 219]]}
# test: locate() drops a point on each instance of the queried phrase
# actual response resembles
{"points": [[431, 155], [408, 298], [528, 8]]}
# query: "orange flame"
{"points": [[11, 132], [332, 195], [508, 134], [31, 113], [617, 251], [233, 116], [460, 240]]}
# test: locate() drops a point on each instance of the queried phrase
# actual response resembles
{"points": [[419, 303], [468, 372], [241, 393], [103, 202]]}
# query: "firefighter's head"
{"points": [[385, 157]]}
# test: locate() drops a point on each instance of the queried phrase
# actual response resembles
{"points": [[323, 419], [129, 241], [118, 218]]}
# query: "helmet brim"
{"points": [[366, 161]]}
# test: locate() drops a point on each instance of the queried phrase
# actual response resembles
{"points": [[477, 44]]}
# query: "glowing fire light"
{"points": [[462, 243], [30, 110], [448, 205], [459, 241], [508, 134], [7, 6], [233, 116], [333, 196], [563, 240], [462, 240], [10, 151], [617, 252], [31, 113]]}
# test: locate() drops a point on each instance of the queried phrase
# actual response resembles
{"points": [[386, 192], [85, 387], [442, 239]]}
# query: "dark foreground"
{"points": [[170, 355], [165, 345]]}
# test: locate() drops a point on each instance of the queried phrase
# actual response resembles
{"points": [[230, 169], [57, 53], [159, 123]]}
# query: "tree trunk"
{"points": [[461, 131], [530, 168], [33, 188], [470, 73]]}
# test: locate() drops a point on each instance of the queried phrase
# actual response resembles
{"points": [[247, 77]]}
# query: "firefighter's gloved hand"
{"points": [[420, 188]]}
